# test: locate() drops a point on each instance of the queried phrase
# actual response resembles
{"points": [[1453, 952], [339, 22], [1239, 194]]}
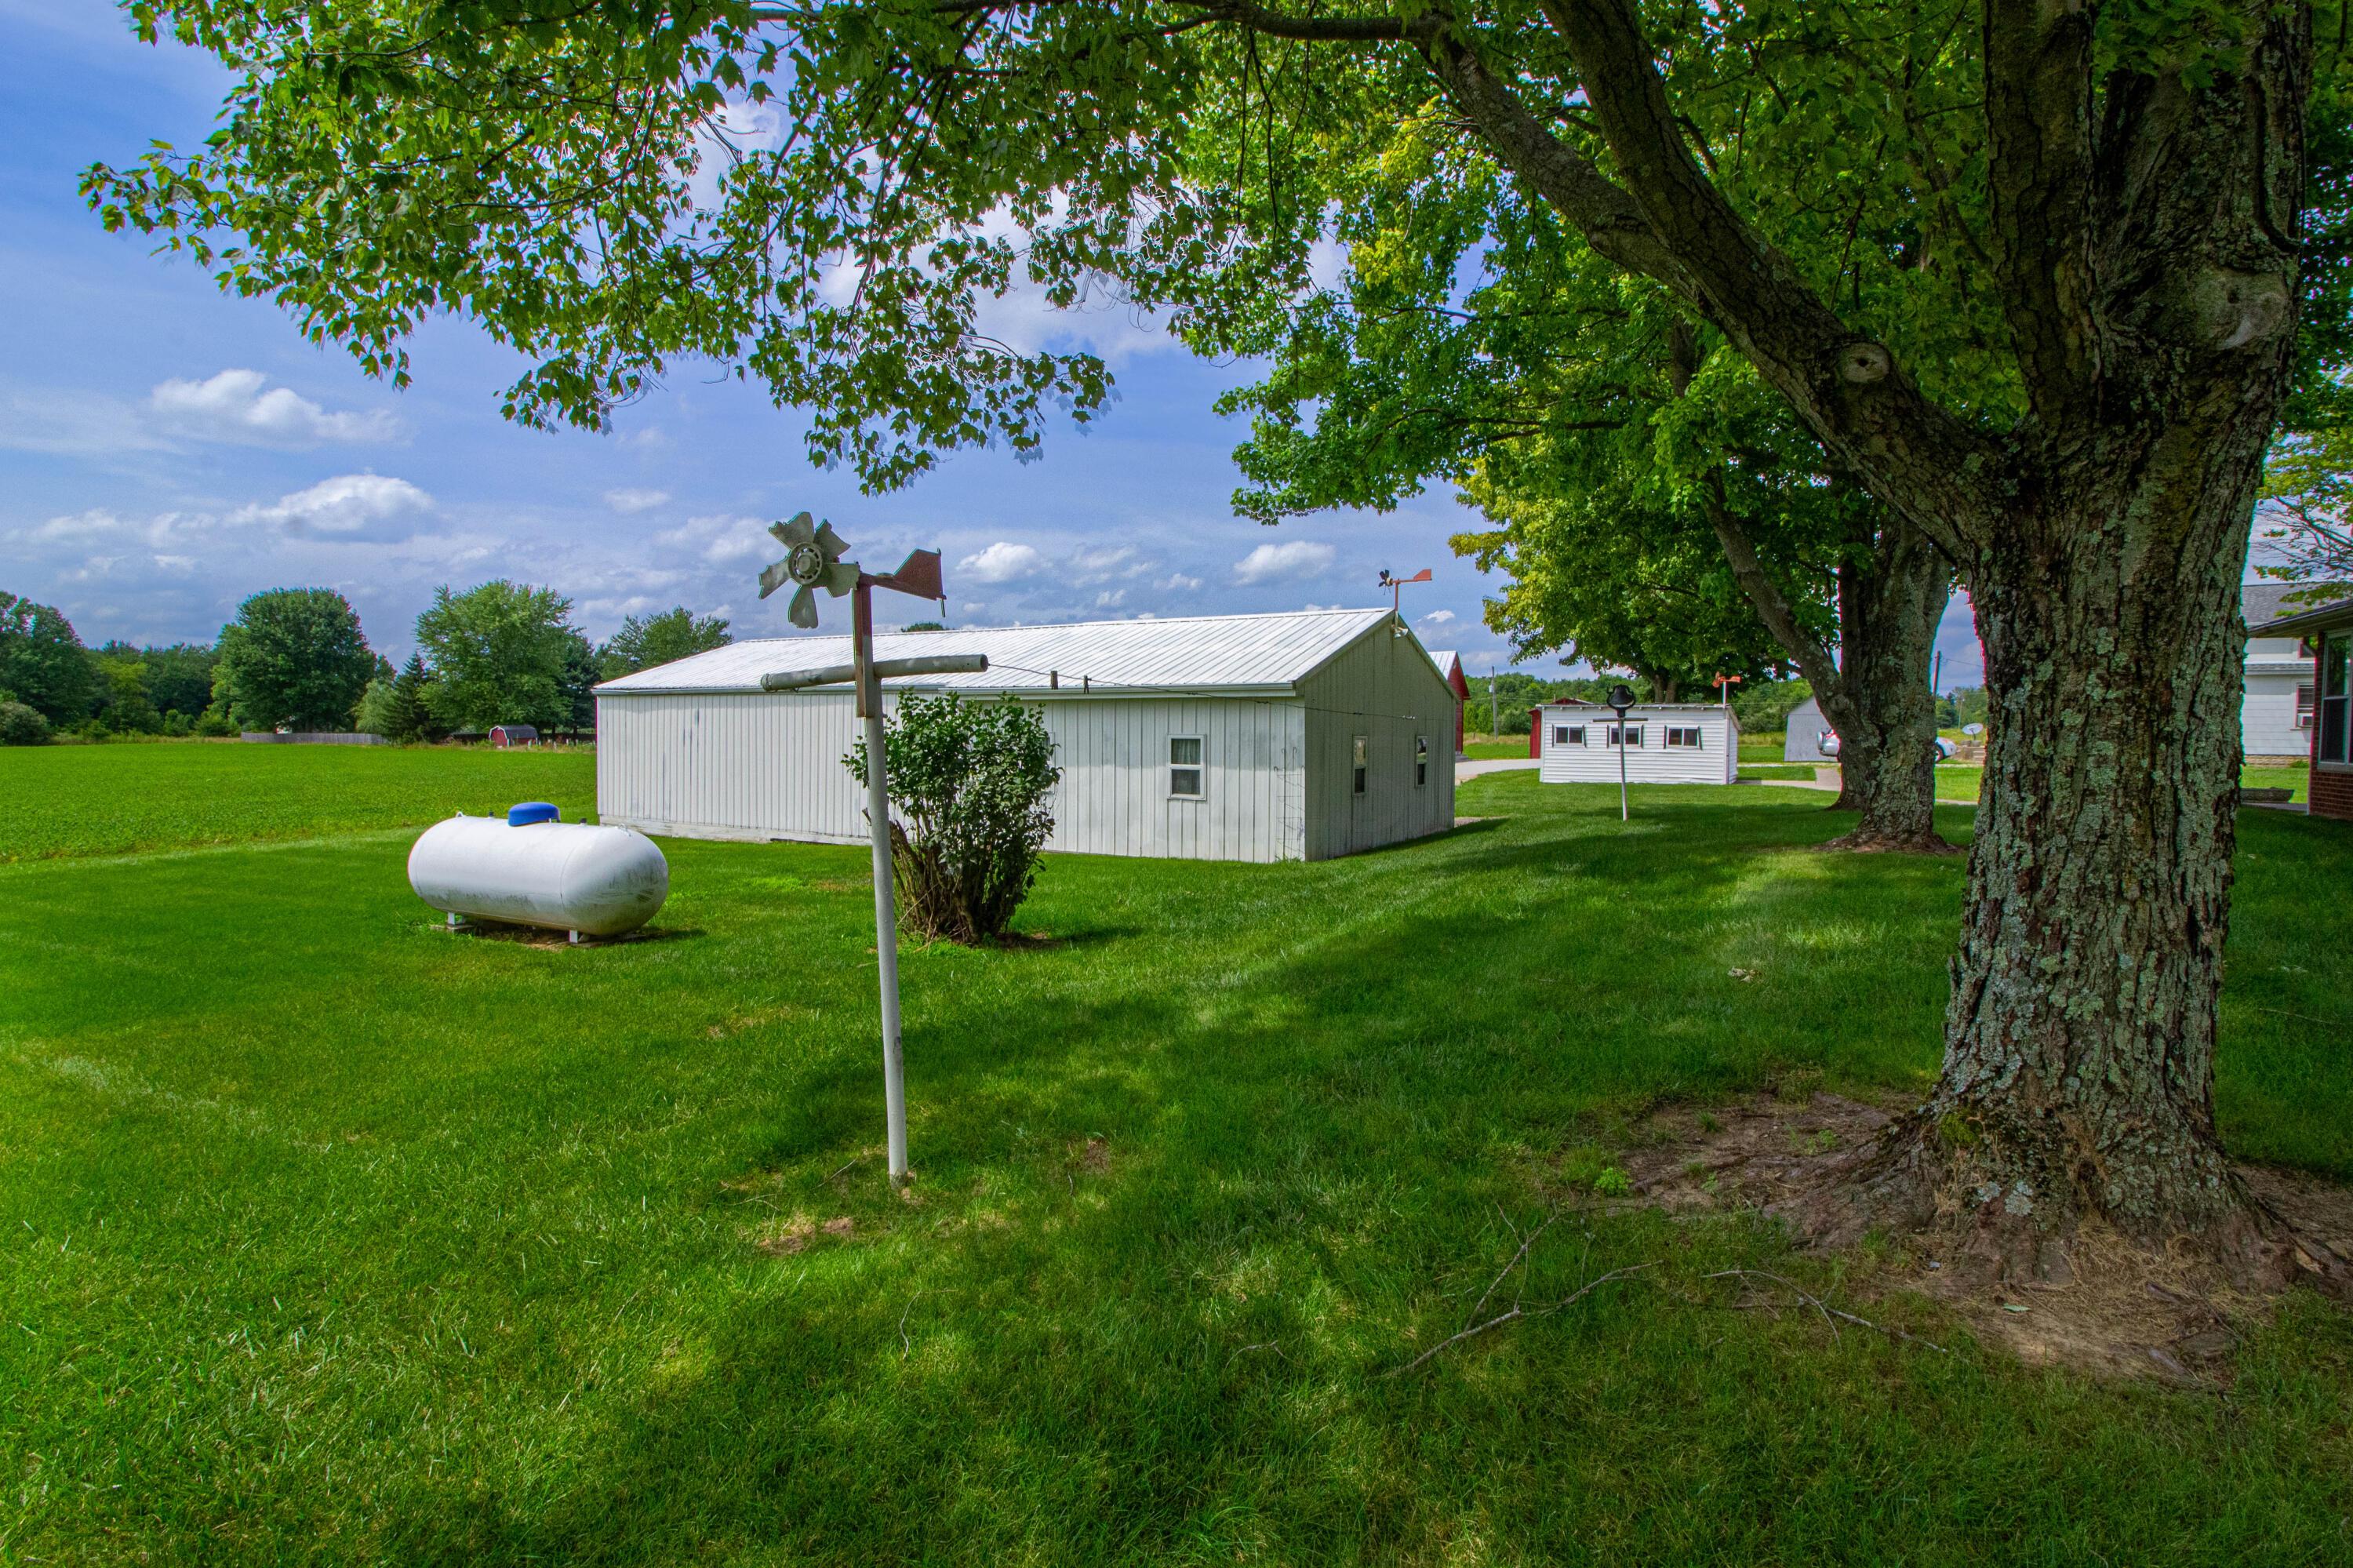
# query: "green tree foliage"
{"points": [[124, 706], [644, 641], [499, 653], [970, 781], [376, 713], [2307, 513], [43, 663], [579, 685], [179, 678], [1764, 706], [410, 716], [295, 658], [21, 726]]}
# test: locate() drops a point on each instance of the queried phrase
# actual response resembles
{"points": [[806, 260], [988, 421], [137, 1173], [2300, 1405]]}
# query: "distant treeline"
{"points": [[296, 659]]}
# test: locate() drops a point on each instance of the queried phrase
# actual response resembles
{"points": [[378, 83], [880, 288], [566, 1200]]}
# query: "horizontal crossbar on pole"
{"points": [[884, 670]]}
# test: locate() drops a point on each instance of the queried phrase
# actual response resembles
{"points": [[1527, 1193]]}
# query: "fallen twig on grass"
{"points": [[906, 1346], [1518, 1312], [1830, 1315]]}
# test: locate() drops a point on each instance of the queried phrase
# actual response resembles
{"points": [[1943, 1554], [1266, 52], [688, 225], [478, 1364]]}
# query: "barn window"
{"points": [[2336, 695], [1633, 736], [1685, 734], [1420, 760], [1185, 765], [1362, 752]]}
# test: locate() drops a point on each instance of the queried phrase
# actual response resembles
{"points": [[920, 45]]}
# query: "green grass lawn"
{"points": [[326, 1236], [1491, 749], [1960, 783], [114, 799], [1769, 770]]}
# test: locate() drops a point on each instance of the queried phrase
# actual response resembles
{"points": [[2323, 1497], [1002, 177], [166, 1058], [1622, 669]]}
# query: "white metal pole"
{"points": [[886, 912], [1622, 767]]}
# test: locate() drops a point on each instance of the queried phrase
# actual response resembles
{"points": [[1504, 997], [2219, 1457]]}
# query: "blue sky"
{"points": [[166, 449]]}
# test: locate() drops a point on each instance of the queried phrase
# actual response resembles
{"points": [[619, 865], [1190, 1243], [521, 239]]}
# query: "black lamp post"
{"points": [[1622, 698]]}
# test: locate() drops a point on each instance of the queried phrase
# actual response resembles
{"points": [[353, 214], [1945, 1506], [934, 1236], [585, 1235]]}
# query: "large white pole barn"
{"points": [[1258, 737], [1666, 743]]}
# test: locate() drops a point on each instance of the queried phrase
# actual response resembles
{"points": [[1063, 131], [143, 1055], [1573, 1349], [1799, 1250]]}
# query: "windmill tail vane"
{"points": [[813, 553]]}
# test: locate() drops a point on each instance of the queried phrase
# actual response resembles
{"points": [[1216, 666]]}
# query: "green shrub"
{"points": [[21, 726], [971, 782]]}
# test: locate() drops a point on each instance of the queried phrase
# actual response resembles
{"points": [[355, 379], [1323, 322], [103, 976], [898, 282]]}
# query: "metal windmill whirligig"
{"points": [[813, 553], [812, 560]]}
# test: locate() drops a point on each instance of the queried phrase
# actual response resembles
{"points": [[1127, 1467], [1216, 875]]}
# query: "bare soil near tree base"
{"points": [[2109, 1307]]}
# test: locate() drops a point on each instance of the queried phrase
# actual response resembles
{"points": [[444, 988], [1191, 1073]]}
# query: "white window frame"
{"points": [[1361, 766], [1569, 734], [2307, 702], [1199, 768], [1634, 740], [2339, 700], [1689, 733]]}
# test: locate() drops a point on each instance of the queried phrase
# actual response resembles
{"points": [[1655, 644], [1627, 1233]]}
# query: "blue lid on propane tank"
{"points": [[530, 811]]}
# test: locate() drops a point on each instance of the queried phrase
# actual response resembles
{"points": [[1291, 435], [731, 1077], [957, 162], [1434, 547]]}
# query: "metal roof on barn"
{"points": [[1194, 653]]}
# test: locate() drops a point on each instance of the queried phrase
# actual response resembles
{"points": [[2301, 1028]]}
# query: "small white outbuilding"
{"points": [[1254, 737], [1665, 743]]}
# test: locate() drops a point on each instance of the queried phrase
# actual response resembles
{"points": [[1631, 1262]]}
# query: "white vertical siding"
{"points": [[2267, 716], [1716, 760], [1383, 687], [746, 766]]}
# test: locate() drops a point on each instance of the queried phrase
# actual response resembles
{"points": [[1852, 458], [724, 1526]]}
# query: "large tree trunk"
{"points": [[1881, 704], [1874, 691], [2078, 1079], [2142, 237]]}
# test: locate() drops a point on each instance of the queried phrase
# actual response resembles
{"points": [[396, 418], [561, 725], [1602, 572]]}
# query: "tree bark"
{"points": [[2144, 239], [1881, 704]]}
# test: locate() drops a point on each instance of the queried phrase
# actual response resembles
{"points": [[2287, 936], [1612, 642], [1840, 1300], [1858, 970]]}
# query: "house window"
{"points": [[1569, 734], [2304, 695], [1420, 760], [2336, 695], [1685, 734], [1633, 733], [1185, 765], [1361, 766]]}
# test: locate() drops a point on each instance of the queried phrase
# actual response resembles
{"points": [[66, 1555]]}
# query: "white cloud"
{"points": [[1291, 558], [1177, 580], [721, 541], [1003, 562], [345, 505], [632, 501], [1437, 618], [1110, 598], [239, 406]]}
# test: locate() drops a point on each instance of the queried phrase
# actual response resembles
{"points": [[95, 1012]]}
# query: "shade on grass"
{"points": [[327, 1236]]}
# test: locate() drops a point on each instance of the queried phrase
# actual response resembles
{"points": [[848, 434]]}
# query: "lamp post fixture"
{"points": [[1622, 698], [813, 560]]}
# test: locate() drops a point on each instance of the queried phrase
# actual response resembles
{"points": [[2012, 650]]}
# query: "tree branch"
{"points": [[2039, 138], [1918, 456]]}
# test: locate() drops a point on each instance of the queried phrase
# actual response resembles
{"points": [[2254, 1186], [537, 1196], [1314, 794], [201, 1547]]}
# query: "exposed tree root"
{"points": [[2083, 1294], [1870, 841]]}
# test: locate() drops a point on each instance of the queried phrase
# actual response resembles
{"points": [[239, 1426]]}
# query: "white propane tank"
{"points": [[566, 876]]}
